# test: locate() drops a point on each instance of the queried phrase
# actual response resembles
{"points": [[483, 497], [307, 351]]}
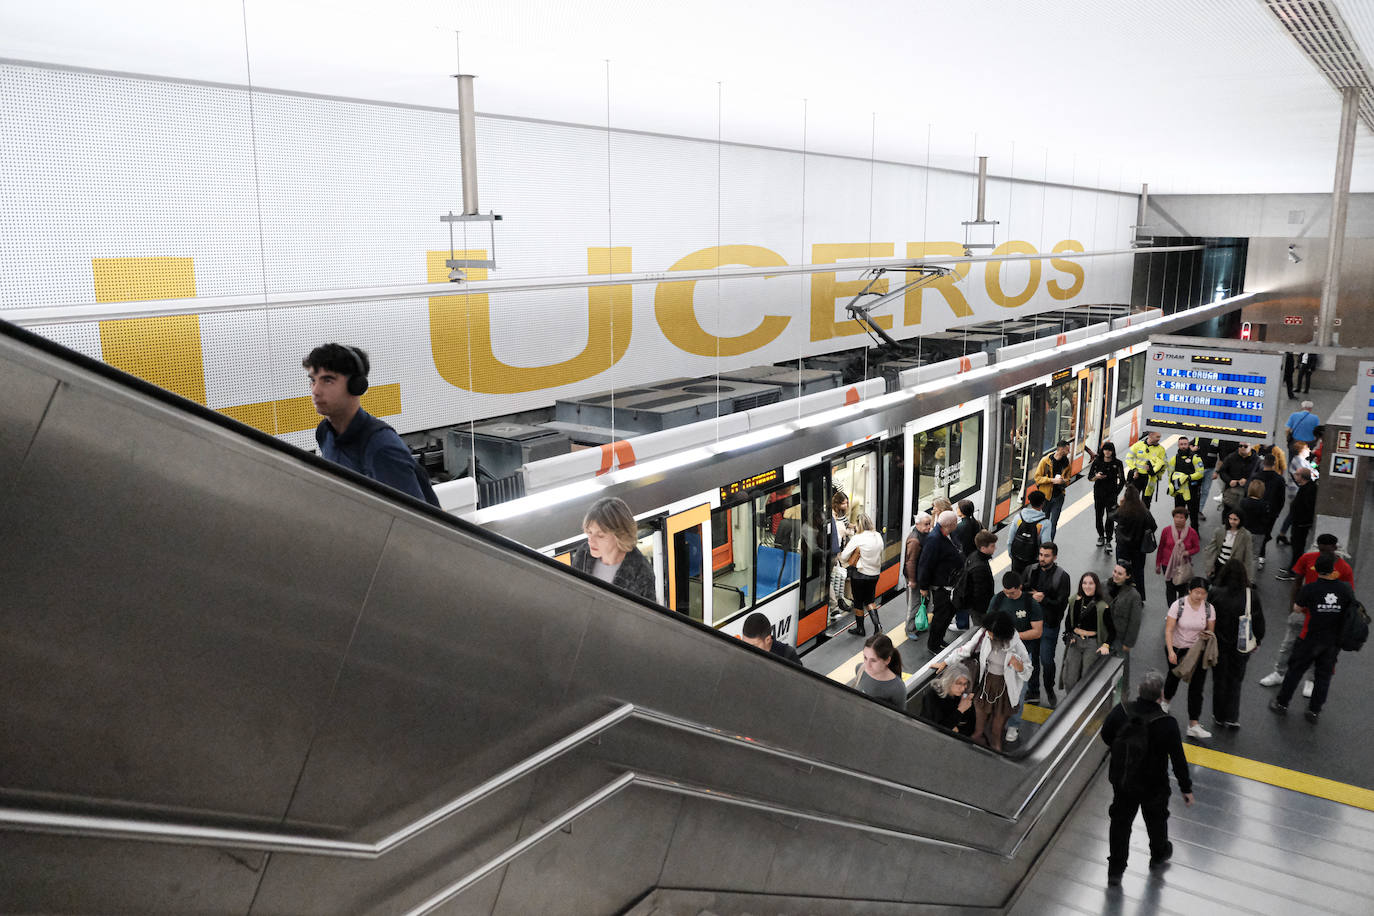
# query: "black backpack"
{"points": [[1355, 628], [1025, 544], [959, 592], [1130, 748]]}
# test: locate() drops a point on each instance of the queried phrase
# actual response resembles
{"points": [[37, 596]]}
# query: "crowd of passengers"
{"points": [[1041, 631]]}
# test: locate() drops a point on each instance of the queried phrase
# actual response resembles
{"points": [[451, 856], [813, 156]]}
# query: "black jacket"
{"points": [[634, 575], [1054, 582], [1229, 604], [944, 712], [978, 587], [1236, 467], [1254, 515], [1083, 615], [1275, 491], [1207, 451], [1166, 746], [940, 561], [1130, 533], [785, 652], [1109, 487], [1304, 508], [965, 532]]}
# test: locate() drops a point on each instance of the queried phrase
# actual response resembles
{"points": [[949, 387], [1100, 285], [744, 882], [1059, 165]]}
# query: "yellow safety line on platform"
{"points": [[897, 634], [1306, 783]]}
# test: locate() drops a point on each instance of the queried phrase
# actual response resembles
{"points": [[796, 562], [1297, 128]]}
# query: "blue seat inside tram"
{"points": [[768, 568], [791, 569]]}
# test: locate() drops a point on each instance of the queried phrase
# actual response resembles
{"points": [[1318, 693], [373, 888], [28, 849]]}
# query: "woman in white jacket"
{"points": [[1004, 667]]}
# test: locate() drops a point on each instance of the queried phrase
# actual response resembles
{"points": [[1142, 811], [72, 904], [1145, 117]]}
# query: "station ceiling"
{"points": [[1192, 96]]}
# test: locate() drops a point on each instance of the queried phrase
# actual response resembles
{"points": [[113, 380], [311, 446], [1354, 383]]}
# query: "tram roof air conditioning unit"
{"points": [[501, 447], [793, 382], [648, 410]]}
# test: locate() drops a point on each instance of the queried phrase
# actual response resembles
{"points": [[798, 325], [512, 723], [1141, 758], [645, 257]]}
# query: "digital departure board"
{"points": [[1215, 393], [750, 483], [1362, 423]]}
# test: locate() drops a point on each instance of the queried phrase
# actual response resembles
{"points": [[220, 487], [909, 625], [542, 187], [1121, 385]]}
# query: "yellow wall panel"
{"points": [[131, 279], [293, 415], [164, 350]]}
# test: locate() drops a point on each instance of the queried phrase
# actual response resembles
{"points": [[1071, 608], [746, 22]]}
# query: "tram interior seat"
{"points": [[768, 569], [791, 569]]}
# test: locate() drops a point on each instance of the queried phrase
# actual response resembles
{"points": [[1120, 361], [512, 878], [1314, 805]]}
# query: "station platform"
{"points": [[1281, 803]]}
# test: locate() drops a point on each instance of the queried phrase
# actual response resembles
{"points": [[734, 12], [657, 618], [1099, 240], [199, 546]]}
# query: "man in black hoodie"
{"points": [[1143, 786]]}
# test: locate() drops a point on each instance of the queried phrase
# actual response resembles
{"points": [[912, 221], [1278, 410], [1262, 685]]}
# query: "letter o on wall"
{"points": [[992, 276]]}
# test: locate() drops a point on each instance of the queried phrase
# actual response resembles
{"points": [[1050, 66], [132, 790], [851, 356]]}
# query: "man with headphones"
{"points": [[349, 435]]}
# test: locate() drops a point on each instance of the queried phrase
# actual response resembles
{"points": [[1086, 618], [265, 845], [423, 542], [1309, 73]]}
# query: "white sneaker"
{"points": [[1272, 679], [1307, 688], [1217, 498], [1013, 734], [1261, 562], [1164, 705], [1197, 731]]}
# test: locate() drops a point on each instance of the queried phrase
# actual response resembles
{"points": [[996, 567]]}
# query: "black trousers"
{"points": [[942, 614], [1155, 809], [1192, 502], [1227, 676], [1195, 686], [1305, 379], [1298, 538], [1102, 505], [1306, 653]]}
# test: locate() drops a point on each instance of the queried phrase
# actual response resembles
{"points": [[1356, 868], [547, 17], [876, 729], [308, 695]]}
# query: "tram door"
{"points": [[1014, 461], [688, 570], [815, 552], [1092, 401]]}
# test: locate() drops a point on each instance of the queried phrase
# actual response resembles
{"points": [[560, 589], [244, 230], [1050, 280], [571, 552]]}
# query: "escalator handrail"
{"points": [[124, 827]]}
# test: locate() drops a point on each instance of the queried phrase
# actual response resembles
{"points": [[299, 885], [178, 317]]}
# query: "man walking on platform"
{"points": [[940, 562], [1146, 465], [1304, 573], [1144, 742], [1302, 424], [1052, 476], [1325, 604]]}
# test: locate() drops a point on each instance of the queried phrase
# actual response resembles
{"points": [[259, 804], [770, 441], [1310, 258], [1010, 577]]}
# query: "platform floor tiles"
{"points": [[1244, 847]]}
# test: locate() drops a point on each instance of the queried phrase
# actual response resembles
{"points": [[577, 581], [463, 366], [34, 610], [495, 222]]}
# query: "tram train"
{"points": [[725, 544]]}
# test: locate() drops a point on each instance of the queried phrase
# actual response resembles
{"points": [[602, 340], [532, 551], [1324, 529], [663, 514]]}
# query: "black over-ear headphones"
{"points": [[357, 382]]}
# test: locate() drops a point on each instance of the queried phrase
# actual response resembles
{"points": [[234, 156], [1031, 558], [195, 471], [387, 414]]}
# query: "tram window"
{"points": [[1060, 414], [732, 556], [947, 460], [777, 532], [854, 478], [1130, 389], [1016, 435]]}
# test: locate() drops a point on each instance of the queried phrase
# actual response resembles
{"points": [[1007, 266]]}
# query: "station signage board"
{"points": [[1362, 423], [1215, 392], [749, 484]]}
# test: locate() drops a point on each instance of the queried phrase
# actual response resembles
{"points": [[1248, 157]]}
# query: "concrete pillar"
{"points": [[1340, 201]]}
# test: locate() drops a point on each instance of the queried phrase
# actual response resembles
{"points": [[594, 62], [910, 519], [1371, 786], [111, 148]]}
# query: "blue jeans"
{"points": [[1033, 685], [1052, 509], [1049, 642], [1204, 487]]}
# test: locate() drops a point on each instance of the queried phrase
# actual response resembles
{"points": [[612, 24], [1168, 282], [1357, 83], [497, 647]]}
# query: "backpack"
{"points": [[959, 593], [1130, 748], [1025, 544], [1355, 628]]}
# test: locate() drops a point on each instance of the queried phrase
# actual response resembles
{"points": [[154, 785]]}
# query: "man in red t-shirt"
{"points": [[1304, 573]]}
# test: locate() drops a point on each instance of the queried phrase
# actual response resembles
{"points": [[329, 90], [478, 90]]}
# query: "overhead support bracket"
{"points": [[980, 233], [862, 312], [457, 265], [467, 151]]}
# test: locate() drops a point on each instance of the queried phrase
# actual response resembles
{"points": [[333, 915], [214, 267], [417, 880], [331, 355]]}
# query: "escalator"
{"points": [[238, 679]]}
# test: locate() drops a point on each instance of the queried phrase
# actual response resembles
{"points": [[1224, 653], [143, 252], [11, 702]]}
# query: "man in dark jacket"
{"points": [[1275, 492], [911, 558], [1303, 513], [940, 562], [1235, 471], [1049, 585], [758, 632], [978, 581], [1144, 788]]}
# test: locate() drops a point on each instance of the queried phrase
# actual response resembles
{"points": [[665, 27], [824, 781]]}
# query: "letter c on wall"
{"points": [[675, 304]]}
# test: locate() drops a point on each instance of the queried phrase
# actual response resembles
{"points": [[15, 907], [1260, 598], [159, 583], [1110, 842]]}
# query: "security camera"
{"points": [[1293, 254]]}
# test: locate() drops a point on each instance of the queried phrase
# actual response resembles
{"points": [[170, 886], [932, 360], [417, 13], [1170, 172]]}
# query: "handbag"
{"points": [[921, 622], [1245, 632], [1149, 543], [1180, 569]]}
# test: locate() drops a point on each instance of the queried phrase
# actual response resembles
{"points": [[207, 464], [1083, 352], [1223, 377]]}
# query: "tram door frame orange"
{"points": [[676, 524]]}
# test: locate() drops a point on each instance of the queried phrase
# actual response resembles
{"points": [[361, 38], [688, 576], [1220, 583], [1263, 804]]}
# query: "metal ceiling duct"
{"points": [[1321, 33]]}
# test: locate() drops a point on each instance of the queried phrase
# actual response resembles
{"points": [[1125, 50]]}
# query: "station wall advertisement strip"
{"points": [[125, 188]]}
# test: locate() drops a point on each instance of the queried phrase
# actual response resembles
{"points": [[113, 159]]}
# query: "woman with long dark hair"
{"points": [[1133, 524], [1108, 475], [881, 674], [1233, 598], [1230, 542], [1089, 631]]}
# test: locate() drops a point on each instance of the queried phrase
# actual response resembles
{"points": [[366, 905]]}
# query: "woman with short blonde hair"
{"points": [[611, 552]]}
